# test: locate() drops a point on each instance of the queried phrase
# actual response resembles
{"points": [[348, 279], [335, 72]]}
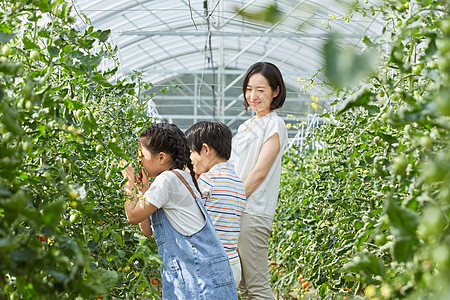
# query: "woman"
{"points": [[256, 154]]}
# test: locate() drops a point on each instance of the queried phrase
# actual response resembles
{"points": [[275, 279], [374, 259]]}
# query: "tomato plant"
{"points": [[66, 124], [368, 213]]}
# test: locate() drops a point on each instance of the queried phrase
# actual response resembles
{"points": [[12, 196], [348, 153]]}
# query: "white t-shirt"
{"points": [[168, 192], [245, 149]]}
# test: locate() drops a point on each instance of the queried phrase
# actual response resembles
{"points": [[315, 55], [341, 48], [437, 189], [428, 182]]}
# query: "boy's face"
{"points": [[200, 161]]}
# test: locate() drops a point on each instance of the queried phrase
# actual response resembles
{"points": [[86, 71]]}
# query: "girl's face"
{"points": [[259, 94], [151, 163]]}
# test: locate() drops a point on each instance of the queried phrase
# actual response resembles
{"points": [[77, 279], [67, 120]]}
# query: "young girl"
{"points": [[195, 265]]}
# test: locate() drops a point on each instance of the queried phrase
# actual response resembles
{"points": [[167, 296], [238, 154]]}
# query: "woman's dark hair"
{"points": [[215, 134], [273, 76], [168, 138]]}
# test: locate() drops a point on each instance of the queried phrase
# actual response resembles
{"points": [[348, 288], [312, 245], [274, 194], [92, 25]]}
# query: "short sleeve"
{"points": [[275, 125], [158, 192], [205, 185]]}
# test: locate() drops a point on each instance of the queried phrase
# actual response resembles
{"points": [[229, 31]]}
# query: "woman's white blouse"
{"points": [[245, 149]]}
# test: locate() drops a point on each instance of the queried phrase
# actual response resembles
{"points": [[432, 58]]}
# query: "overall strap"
{"points": [[185, 183], [190, 190]]}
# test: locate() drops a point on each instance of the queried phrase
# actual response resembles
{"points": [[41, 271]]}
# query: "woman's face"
{"points": [[259, 94]]}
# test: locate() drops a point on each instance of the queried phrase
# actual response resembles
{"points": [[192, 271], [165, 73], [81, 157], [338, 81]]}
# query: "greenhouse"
{"points": [[345, 178]]}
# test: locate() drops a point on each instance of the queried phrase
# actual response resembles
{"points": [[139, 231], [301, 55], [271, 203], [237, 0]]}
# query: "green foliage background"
{"points": [[65, 127], [368, 213]]}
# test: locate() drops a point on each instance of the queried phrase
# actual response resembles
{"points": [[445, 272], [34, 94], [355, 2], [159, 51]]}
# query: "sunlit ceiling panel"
{"points": [[179, 42]]}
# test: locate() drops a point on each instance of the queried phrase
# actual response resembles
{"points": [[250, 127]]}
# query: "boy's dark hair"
{"points": [[273, 76], [168, 138], [215, 134]]}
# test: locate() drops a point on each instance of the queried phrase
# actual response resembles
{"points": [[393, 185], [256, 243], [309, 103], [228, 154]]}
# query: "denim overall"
{"points": [[195, 266]]}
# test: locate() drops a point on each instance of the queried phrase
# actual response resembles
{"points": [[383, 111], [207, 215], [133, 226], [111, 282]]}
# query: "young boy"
{"points": [[222, 190]]}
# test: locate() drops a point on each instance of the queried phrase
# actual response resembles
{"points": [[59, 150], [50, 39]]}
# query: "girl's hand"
{"points": [[128, 172], [143, 182]]}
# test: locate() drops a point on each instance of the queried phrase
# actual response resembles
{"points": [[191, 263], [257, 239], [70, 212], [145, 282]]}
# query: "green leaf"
{"points": [[53, 51], [15, 203], [10, 68], [105, 233], [59, 276], [101, 80], [403, 248], [403, 221], [388, 138], [5, 37], [118, 151], [269, 14], [344, 67], [366, 264], [51, 214], [73, 104], [23, 254], [361, 98], [118, 237], [101, 280], [43, 5], [104, 35], [7, 244], [10, 119]]}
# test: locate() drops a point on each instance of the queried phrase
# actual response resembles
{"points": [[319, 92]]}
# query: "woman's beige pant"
{"points": [[253, 251]]}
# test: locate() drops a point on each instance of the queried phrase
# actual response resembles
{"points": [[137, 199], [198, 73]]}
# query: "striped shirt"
{"points": [[224, 197]]}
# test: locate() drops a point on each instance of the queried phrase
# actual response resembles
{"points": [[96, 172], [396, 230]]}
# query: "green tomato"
{"points": [[433, 64], [47, 175], [425, 141], [443, 45], [34, 54], [14, 296], [6, 51], [29, 105], [80, 113], [27, 146], [395, 96], [8, 137], [353, 174], [380, 239], [417, 69], [108, 176], [400, 164], [433, 220], [73, 218], [443, 105], [7, 289], [379, 141], [434, 172], [445, 26], [99, 148]]}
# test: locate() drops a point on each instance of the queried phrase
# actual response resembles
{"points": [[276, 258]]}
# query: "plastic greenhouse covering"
{"points": [[205, 47]]}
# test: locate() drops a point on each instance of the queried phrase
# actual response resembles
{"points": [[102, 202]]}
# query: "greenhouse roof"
{"points": [[205, 47]]}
